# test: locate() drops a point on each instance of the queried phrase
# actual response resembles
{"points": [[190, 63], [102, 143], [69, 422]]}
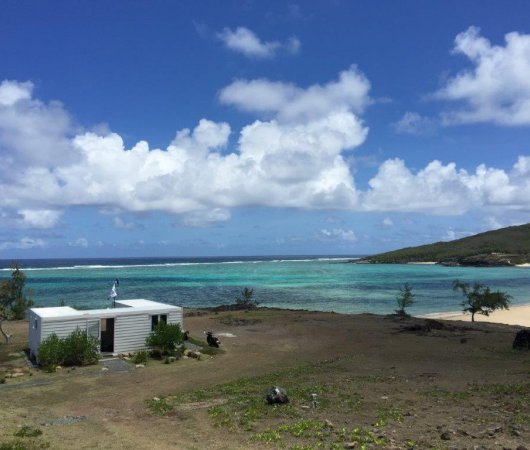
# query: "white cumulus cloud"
{"points": [[22, 244], [496, 88], [291, 158], [337, 234], [245, 41]]}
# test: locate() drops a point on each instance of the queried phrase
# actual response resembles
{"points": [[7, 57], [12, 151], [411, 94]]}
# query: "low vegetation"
{"points": [[164, 339], [404, 299], [77, 349], [14, 297]]}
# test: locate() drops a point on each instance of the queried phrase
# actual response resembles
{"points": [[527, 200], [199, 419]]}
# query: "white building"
{"points": [[120, 329]]}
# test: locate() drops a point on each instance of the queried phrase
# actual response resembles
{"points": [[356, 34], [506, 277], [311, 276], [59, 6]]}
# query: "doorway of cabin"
{"points": [[107, 335]]}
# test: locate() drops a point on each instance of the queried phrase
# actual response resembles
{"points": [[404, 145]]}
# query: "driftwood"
{"points": [[7, 336]]}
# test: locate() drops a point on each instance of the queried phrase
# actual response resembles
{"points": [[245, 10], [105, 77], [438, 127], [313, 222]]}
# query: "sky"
{"points": [[207, 128]]}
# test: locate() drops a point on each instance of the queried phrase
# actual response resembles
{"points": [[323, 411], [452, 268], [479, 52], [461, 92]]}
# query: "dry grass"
{"points": [[377, 386]]}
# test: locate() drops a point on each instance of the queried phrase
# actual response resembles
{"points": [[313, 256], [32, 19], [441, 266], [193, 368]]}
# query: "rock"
{"points": [[104, 369], [277, 395], [445, 436], [350, 445], [139, 366], [329, 423], [17, 374], [521, 447], [522, 340]]}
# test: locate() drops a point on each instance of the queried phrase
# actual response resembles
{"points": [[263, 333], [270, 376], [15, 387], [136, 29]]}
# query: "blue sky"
{"points": [[164, 128]]}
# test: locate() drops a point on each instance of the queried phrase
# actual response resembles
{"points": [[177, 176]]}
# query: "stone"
{"points": [[350, 445], [445, 436], [521, 447], [104, 369], [522, 340], [277, 395], [139, 366]]}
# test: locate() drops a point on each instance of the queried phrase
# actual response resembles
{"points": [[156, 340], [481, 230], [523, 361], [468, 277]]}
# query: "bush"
{"points": [[164, 338], [51, 352], [140, 357], [80, 349], [77, 349]]}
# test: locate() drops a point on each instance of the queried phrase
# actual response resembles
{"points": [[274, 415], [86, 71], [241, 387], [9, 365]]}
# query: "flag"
{"points": [[113, 294]]}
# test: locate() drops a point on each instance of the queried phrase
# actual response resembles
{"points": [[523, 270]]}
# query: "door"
{"points": [[107, 335]]}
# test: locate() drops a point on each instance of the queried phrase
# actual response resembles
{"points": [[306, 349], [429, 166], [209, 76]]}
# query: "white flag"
{"points": [[113, 294]]}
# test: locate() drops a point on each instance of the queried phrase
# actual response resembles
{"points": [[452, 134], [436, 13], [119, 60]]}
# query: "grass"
{"points": [[240, 407]]}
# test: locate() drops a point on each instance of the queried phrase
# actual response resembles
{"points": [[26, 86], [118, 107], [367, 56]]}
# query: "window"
{"points": [[156, 319], [35, 324]]}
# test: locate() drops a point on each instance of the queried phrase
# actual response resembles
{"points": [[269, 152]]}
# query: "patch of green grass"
{"points": [[386, 414], [207, 350], [366, 437], [159, 405], [24, 445], [267, 436], [26, 431]]}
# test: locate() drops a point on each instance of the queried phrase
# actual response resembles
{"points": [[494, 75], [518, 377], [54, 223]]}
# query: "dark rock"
{"points": [[521, 447], [445, 436], [522, 340], [277, 395]]}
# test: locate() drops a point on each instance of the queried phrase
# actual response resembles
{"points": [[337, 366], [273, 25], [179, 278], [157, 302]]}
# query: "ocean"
{"points": [[323, 283]]}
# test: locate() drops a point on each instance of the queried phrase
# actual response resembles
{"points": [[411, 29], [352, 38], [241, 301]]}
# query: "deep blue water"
{"points": [[317, 283]]}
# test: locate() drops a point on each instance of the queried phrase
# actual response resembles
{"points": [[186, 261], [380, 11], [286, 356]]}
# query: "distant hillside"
{"points": [[503, 247]]}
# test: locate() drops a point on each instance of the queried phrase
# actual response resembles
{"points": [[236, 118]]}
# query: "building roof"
{"points": [[123, 308]]}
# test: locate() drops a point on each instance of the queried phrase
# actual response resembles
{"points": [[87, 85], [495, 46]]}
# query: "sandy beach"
{"points": [[516, 315]]}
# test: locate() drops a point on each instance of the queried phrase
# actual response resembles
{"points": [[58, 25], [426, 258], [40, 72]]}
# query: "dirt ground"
{"points": [[381, 382]]}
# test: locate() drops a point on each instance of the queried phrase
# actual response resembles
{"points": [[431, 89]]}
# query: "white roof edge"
{"points": [[131, 307]]}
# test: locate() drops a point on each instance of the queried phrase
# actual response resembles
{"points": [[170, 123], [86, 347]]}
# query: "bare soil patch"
{"points": [[381, 382]]}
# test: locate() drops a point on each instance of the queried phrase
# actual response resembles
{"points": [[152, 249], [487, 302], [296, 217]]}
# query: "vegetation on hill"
{"points": [[503, 247]]}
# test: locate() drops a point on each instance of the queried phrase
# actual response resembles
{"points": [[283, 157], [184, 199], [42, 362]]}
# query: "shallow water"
{"points": [[316, 283]]}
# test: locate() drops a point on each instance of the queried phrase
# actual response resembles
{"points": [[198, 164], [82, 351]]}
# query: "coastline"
{"points": [[517, 315]]}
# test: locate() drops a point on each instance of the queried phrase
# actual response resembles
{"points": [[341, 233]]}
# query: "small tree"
{"points": [[80, 349], [404, 299], [165, 338], [13, 296], [51, 352], [480, 299], [246, 298]]}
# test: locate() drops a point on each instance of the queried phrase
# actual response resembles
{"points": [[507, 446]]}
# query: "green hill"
{"points": [[503, 247]]}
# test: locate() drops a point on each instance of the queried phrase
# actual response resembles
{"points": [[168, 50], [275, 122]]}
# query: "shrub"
{"points": [[51, 352], [77, 349], [140, 357], [404, 299], [164, 338], [80, 349], [26, 431]]}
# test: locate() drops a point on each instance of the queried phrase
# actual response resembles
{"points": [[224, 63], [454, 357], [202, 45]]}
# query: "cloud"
{"points": [[29, 218], [80, 242], [291, 158], [22, 244], [497, 87], [292, 103], [337, 234], [206, 218], [387, 222], [118, 222], [413, 123], [12, 92], [444, 190], [245, 41]]}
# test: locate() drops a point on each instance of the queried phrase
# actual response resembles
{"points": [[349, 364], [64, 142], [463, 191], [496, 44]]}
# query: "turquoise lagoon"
{"points": [[314, 283]]}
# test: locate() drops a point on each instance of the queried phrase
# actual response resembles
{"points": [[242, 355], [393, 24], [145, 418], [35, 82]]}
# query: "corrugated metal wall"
{"points": [[61, 328], [130, 332]]}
